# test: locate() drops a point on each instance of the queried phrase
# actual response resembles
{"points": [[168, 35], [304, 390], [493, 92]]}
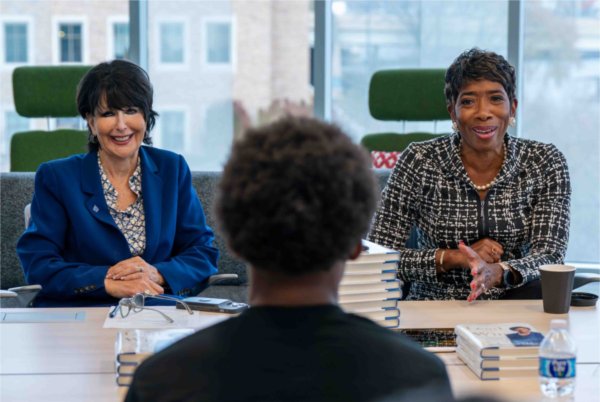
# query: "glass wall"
{"points": [[560, 101], [221, 66], [561, 104], [376, 35], [217, 66]]}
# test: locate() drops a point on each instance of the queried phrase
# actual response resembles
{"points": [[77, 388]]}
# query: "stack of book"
{"points": [[134, 345], [495, 351], [369, 286]]}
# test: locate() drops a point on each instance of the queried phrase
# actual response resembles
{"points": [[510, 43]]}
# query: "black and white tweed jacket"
{"points": [[526, 210]]}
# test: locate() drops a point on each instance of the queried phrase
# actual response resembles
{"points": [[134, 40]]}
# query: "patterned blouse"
{"points": [[526, 211], [132, 221]]}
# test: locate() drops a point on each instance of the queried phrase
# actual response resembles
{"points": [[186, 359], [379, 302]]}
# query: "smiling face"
{"points": [[523, 331], [120, 132], [482, 111]]}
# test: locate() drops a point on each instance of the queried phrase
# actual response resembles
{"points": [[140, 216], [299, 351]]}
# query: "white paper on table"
{"points": [[151, 319]]}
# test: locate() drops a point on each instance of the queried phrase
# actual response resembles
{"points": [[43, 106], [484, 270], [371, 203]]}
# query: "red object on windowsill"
{"points": [[384, 160]]}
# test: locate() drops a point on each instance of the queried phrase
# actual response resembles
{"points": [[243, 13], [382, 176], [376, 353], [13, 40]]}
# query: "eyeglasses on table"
{"points": [[136, 303]]}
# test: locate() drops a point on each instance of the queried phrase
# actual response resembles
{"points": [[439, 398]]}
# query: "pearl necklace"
{"points": [[485, 187]]}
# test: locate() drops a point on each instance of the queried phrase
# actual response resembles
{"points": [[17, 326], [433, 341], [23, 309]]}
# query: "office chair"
{"points": [[404, 95], [45, 91]]}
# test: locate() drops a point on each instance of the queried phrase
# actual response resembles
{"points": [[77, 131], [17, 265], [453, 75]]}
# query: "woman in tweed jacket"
{"points": [[488, 208]]}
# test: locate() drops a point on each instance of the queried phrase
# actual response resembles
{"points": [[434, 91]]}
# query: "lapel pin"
{"points": [[95, 208]]}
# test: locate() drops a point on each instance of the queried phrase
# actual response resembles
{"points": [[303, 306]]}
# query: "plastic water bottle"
{"points": [[557, 361]]}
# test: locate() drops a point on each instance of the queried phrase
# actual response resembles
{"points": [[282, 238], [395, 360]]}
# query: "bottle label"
{"points": [[557, 368]]}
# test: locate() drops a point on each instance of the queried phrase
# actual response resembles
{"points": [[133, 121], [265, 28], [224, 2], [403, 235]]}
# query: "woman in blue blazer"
{"points": [[123, 218]]}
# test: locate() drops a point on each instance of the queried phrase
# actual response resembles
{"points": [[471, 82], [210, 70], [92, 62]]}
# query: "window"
{"points": [[70, 42], [218, 42], [13, 123], [171, 42], [244, 64], [171, 128], [15, 42], [561, 105], [374, 35], [120, 40]]}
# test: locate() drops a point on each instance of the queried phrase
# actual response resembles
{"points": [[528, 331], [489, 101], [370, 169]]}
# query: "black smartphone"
{"points": [[214, 305]]}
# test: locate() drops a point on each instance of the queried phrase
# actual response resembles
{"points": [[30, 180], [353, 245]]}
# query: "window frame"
{"points": [[157, 133], [156, 56], [110, 34], [70, 19], [210, 66], [28, 21]]}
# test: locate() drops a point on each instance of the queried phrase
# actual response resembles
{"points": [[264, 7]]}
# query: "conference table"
{"points": [[73, 360]]}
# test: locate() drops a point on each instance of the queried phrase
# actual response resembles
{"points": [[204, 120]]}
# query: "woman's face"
{"points": [[120, 132], [482, 111]]}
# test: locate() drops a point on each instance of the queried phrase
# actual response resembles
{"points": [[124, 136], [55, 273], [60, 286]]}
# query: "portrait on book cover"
{"points": [[524, 336]]}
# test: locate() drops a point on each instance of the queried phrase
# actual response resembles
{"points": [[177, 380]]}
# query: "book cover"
{"points": [[374, 287], [134, 345], [370, 267], [354, 278], [497, 363], [496, 373], [124, 380], [126, 369], [504, 339], [373, 252], [379, 314], [345, 298], [367, 305]]}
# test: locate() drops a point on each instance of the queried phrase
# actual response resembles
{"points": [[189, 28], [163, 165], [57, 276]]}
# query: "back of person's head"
{"points": [[476, 64], [296, 196], [121, 84]]}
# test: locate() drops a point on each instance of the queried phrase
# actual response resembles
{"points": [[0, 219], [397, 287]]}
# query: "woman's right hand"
{"points": [[119, 289]]}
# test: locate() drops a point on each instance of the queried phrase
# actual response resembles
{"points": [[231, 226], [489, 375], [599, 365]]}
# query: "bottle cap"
{"points": [[558, 324]]}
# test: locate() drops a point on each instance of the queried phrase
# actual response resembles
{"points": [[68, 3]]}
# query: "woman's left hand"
{"points": [[134, 268], [485, 275]]}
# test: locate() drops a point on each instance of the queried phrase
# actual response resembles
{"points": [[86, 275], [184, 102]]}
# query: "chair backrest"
{"points": [[408, 95], [31, 148], [45, 91], [403, 95], [393, 142]]}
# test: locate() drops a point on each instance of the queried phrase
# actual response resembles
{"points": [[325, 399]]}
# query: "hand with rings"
{"points": [[131, 276], [134, 268], [485, 275], [489, 250]]}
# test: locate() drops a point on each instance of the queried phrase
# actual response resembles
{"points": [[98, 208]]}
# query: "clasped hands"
{"points": [[131, 276], [482, 259]]}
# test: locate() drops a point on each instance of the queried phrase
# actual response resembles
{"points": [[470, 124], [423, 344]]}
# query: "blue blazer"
{"points": [[72, 239]]}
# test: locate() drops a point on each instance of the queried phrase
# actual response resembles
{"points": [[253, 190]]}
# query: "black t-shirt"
{"points": [[316, 353]]}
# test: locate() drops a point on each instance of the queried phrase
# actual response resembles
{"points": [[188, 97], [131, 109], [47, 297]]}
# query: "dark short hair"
{"points": [[476, 64], [124, 84], [295, 196]]}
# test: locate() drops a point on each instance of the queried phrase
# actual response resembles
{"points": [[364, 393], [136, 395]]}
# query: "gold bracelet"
{"points": [[442, 261]]}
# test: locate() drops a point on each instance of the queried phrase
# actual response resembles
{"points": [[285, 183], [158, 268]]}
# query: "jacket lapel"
{"points": [[152, 187], [91, 185]]}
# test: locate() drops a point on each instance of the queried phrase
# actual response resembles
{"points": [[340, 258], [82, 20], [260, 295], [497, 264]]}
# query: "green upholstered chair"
{"points": [[45, 91], [405, 95]]}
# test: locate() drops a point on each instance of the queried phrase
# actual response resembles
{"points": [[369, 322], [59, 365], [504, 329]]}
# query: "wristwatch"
{"points": [[507, 273]]}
